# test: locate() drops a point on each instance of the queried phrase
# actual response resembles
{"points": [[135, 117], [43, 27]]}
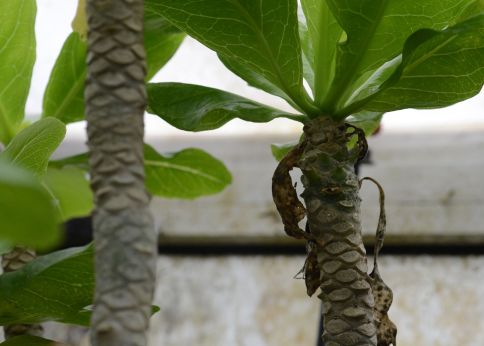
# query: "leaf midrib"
{"points": [[408, 68], [183, 169], [3, 117], [335, 95], [265, 46], [79, 82]]}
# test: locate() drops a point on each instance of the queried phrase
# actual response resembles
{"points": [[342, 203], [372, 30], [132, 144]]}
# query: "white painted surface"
{"points": [[253, 301], [433, 184]]}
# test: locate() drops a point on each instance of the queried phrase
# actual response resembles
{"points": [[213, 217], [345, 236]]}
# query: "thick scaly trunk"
{"points": [[124, 235], [334, 227], [12, 261]]}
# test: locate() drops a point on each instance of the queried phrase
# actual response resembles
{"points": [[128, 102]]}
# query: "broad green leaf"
{"points": [[367, 121], [279, 150], [438, 69], [324, 34], [69, 187], [307, 55], [368, 85], [376, 31], [256, 39], [64, 94], [80, 161], [30, 340], [17, 57], [188, 174], [27, 215], [161, 42], [32, 147], [197, 108], [55, 287]]}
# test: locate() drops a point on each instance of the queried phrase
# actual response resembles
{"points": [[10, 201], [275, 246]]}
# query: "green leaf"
{"points": [[17, 57], [256, 39], [376, 31], [438, 69], [32, 147], [324, 34], [187, 174], [368, 85], [80, 161], [29, 340], [279, 150], [197, 108], [69, 187], [55, 287], [367, 121], [64, 94], [307, 55], [27, 216], [161, 42]]}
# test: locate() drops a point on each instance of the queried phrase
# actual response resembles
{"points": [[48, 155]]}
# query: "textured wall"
{"points": [[252, 301], [433, 185]]}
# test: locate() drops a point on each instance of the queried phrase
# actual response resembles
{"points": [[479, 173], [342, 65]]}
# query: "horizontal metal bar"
{"points": [[282, 245]]}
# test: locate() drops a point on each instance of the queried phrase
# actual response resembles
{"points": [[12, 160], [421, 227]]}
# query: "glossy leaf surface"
{"points": [[161, 41], [376, 31], [324, 33], [17, 57], [256, 39], [197, 108], [69, 188], [55, 287], [438, 69], [32, 147], [189, 173], [64, 95], [27, 214]]}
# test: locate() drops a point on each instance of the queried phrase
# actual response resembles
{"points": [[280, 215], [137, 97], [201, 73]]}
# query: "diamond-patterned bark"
{"points": [[124, 236], [333, 207]]}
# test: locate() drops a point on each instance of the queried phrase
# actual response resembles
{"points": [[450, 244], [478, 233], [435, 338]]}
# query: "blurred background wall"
{"points": [[226, 269]]}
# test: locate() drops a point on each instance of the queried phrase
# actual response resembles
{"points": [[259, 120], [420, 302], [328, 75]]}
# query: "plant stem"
{"points": [[333, 212], [124, 236], [12, 261]]}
